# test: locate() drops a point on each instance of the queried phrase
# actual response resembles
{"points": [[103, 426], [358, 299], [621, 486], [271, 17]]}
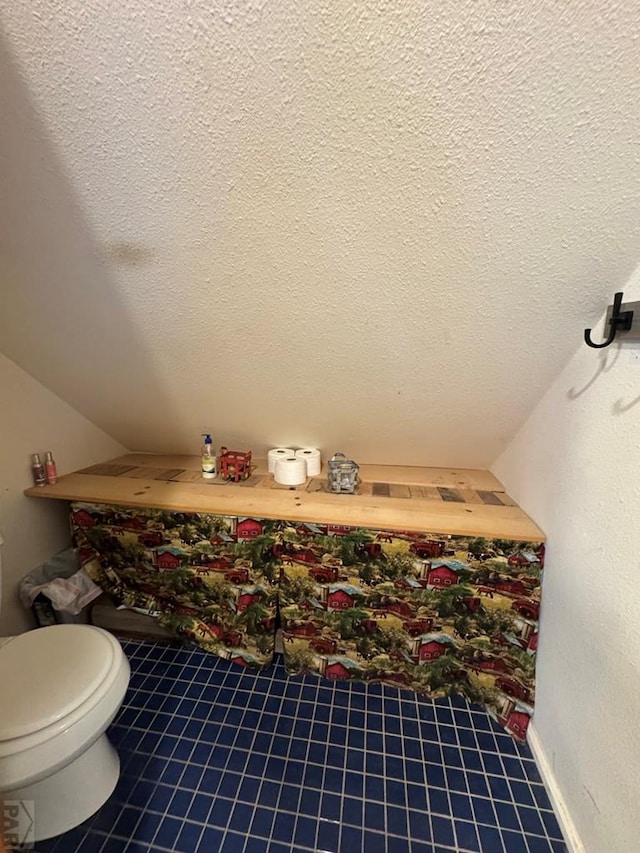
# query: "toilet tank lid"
{"points": [[48, 673]]}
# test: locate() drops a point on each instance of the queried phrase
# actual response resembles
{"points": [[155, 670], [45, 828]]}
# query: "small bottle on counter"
{"points": [[38, 471], [50, 469], [208, 457]]}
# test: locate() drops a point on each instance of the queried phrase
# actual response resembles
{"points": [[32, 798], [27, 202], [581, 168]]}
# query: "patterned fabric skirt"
{"points": [[431, 612]]}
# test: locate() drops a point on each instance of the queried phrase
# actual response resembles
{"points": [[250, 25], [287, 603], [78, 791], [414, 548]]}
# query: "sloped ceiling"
{"points": [[370, 226]]}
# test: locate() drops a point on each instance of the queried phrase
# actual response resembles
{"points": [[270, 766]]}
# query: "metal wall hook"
{"points": [[620, 321]]}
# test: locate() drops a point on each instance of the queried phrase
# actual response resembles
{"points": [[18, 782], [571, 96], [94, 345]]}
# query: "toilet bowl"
{"points": [[60, 688]]}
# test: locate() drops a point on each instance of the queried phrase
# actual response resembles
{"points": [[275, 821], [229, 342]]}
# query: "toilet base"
{"points": [[72, 794]]}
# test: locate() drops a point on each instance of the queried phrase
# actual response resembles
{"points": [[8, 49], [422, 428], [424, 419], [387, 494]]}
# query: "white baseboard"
{"points": [[567, 826]]}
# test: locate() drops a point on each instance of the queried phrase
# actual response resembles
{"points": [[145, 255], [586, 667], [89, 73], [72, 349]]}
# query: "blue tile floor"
{"points": [[219, 758]]}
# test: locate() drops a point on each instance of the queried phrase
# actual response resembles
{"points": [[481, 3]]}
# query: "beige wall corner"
{"points": [[35, 420], [573, 467]]}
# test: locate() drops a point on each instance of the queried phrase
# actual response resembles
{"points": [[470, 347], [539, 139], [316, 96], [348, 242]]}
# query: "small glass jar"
{"points": [[342, 474]]}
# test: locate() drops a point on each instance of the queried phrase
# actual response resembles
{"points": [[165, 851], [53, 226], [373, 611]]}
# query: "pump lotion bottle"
{"points": [[208, 458]]}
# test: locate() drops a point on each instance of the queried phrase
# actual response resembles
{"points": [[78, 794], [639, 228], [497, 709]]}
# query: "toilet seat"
{"points": [[66, 685], [52, 678]]}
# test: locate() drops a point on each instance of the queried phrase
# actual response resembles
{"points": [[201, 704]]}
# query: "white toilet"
{"points": [[60, 687]]}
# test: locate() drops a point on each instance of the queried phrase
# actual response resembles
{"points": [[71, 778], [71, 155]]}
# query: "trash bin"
{"points": [[58, 590]]}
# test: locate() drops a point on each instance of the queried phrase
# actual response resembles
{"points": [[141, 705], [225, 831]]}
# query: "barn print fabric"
{"points": [[431, 612], [434, 613], [203, 576]]}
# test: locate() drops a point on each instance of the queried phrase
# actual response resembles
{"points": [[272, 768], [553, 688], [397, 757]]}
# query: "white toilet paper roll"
{"points": [[278, 453], [290, 471], [312, 457]]}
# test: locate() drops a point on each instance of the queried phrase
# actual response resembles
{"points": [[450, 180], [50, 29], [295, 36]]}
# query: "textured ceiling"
{"points": [[372, 226]]}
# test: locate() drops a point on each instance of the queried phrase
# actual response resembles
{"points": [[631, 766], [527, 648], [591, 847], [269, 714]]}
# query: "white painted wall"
{"points": [[369, 226], [574, 467], [34, 420]]}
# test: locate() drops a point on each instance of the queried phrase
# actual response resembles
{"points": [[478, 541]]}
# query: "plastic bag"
{"points": [[63, 582]]}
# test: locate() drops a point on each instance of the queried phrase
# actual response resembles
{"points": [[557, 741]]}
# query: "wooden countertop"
{"points": [[464, 502]]}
